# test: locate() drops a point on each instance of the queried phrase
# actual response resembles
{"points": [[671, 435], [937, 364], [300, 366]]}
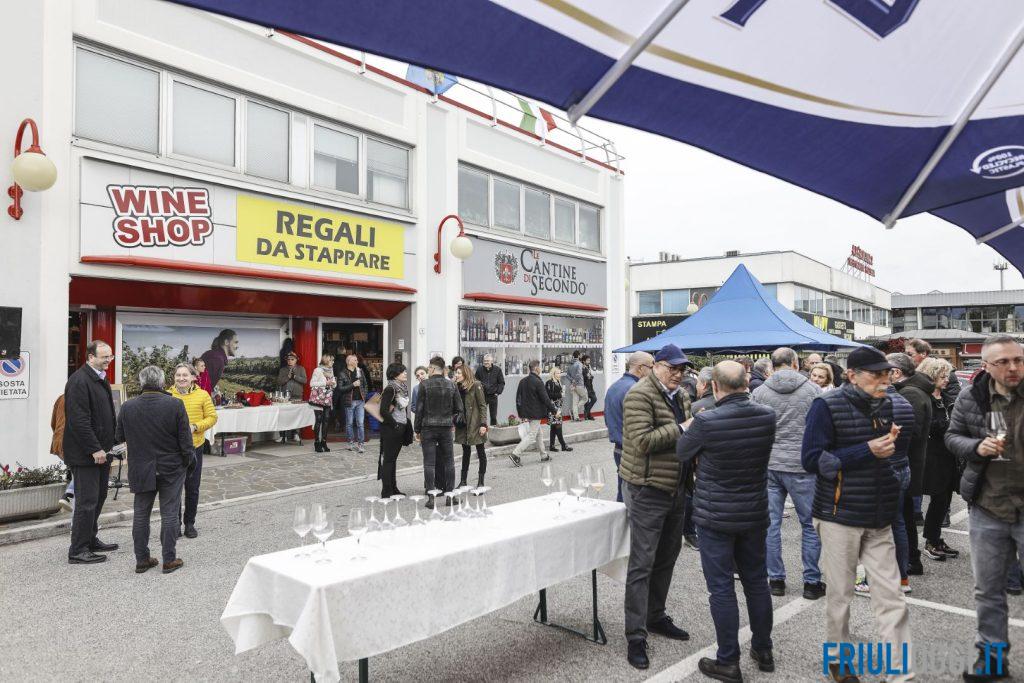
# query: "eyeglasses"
{"points": [[1004, 362], [674, 369]]}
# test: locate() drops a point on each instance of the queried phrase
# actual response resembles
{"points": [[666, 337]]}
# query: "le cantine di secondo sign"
{"points": [[267, 231]]}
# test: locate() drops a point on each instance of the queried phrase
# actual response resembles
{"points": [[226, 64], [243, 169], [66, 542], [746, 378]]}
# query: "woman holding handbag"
{"points": [[321, 395], [554, 388], [473, 431], [395, 427]]}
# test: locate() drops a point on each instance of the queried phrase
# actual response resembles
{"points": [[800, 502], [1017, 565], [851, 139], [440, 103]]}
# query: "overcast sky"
{"points": [[684, 200]]}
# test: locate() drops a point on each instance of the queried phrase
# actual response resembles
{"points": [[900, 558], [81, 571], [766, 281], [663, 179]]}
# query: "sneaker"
{"points": [[516, 460], [1014, 591], [65, 504], [905, 586], [813, 591], [862, 588], [545, 458], [359, 448], [777, 587], [932, 552], [946, 550]]}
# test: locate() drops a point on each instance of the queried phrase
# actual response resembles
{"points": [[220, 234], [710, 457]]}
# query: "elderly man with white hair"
{"points": [[638, 366], [492, 379]]}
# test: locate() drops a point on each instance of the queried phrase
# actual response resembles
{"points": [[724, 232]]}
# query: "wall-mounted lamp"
{"points": [[461, 247], [31, 169]]}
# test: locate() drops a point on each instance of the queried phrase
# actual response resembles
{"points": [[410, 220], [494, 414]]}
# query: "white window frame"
{"points": [[360, 159], [172, 78], [366, 171], [243, 150], [661, 303]]}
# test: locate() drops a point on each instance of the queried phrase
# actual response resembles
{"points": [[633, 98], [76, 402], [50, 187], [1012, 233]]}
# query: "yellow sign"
{"points": [[305, 237]]}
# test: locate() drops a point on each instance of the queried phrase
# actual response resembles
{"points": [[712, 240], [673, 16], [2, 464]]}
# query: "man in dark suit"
{"points": [[88, 435], [156, 428]]}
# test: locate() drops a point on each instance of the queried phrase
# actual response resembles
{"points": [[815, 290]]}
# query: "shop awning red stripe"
{"points": [[532, 301], [238, 271]]}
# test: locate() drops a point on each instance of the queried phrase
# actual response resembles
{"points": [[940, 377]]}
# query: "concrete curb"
{"points": [[108, 519]]}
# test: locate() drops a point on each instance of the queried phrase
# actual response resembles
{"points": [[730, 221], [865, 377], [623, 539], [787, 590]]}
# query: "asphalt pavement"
{"points": [[104, 622]]}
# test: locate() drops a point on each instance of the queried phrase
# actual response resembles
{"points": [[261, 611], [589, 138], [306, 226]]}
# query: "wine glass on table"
{"points": [[588, 475], [386, 524], [578, 488], [996, 427], [484, 512], [435, 514], [372, 524], [546, 478], [302, 524], [598, 482], [323, 528], [450, 517], [357, 520], [417, 520], [399, 521], [561, 490]]}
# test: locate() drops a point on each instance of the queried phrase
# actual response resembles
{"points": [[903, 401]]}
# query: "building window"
{"points": [[904, 319], [837, 307], [860, 312], [116, 102], [387, 173], [266, 141], [473, 196], [506, 204], [565, 221], [809, 300], [879, 316], [675, 300], [771, 290], [538, 213], [590, 228], [335, 160], [650, 303], [203, 122]]}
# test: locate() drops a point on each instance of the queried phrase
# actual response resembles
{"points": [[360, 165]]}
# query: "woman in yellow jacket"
{"points": [[201, 416]]}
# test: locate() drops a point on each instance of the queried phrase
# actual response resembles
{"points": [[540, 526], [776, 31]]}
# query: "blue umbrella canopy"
{"points": [[893, 108], [742, 316]]}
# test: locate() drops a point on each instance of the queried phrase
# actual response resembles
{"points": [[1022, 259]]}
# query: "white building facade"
{"points": [[214, 175], [660, 292]]}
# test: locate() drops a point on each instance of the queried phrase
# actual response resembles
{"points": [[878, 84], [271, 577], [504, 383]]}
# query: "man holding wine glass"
{"points": [[985, 431]]}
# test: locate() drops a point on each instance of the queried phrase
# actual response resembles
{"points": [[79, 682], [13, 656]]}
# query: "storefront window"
{"points": [[538, 213], [387, 173], [590, 228], [266, 142], [335, 160], [565, 221], [506, 204], [675, 300], [116, 102], [473, 196], [203, 124], [650, 303]]}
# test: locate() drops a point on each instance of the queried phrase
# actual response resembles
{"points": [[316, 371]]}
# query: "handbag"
{"points": [[372, 406], [407, 437], [321, 396]]}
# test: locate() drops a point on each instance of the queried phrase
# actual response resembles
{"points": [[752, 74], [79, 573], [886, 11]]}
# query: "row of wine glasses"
{"points": [[579, 484], [313, 518]]}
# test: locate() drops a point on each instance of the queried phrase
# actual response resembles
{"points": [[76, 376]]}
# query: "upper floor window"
{"points": [[650, 302], [203, 124], [117, 102], [267, 150], [675, 300], [335, 160]]}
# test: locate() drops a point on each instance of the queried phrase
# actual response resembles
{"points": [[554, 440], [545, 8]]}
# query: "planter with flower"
{"points": [[30, 492], [504, 433]]}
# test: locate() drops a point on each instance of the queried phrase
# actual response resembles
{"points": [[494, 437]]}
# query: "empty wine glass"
{"points": [[398, 520], [372, 524], [476, 512], [357, 521], [587, 473], [417, 520], [435, 514], [323, 528], [386, 524], [598, 482], [484, 490], [997, 430], [578, 487], [463, 493], [302, 524], [451, 516], [561, 490], [546, 478]]}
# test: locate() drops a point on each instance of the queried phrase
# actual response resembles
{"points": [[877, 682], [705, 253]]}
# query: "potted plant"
{"points": [[30, 492], [504, 433]]}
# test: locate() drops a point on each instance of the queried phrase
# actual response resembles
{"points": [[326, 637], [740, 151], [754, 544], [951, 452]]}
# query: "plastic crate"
{"points": [[234, 445]]}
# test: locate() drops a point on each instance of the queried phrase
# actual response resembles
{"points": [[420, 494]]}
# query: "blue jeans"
{"points": [[801, 489], [899, 526], [719, 552], [354, 417], [994, 546]]}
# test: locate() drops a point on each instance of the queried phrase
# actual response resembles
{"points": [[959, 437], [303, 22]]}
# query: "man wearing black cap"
{"points": [[850, 437], [654, 492]]}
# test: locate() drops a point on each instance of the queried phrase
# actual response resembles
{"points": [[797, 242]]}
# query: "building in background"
{"points": [[216, 175], [663, 292]]}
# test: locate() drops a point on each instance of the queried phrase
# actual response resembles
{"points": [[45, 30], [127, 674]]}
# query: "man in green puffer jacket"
{"points": [[654, 484]]}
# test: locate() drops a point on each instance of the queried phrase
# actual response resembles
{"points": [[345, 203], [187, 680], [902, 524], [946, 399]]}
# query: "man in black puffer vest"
{"points": [[730, 447], [853, 437]]}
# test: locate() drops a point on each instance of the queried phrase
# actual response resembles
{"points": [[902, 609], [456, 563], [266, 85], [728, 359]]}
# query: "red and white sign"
{"points": [[160, 216], [861, 260], [862, 255]]}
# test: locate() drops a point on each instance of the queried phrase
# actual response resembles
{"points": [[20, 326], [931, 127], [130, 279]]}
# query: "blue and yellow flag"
{"points": [[434, 81]]}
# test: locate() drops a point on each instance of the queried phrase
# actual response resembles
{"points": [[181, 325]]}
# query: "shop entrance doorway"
{"points": [[367, 341]]}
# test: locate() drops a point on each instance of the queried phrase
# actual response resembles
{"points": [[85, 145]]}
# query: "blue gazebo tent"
{"points": [[742, 316]]}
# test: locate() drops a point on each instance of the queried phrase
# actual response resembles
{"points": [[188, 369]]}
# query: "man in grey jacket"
{"points": [[577, 391], [789, 394]]}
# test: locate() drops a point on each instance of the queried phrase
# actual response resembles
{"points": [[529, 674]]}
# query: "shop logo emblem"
{"points": [[1000, 162], [505, 267]]}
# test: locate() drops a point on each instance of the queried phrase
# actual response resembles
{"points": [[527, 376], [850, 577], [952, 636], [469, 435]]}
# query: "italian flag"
{"points": [[529, 121]]}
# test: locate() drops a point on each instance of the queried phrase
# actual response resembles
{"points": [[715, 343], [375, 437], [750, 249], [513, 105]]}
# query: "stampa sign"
{"points": [[501, 269]]}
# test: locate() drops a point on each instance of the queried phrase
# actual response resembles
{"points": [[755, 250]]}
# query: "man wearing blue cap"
{"points": [[654, 492]]}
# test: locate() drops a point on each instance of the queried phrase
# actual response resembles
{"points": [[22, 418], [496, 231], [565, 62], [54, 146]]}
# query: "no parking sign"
{"points": [[14, 377]]}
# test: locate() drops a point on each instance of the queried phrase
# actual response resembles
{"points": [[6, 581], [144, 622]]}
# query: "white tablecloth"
{"points": [[273, 418], [419, 581]]}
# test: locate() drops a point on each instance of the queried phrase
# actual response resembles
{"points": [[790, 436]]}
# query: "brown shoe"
{"points": [[833, 670], [146, 565], [173, 565]]}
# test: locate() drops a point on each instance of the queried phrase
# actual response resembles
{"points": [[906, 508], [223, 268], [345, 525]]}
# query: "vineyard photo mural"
{"points": [[251, 354]]}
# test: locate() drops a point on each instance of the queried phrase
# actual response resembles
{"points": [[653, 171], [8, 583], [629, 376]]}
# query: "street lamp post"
{"points": [[31, 169], [461, 246]]}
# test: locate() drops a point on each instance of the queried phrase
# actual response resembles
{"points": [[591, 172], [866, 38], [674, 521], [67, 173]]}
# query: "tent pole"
{"points": [[999, 231], [965, 115], [580, 109]]}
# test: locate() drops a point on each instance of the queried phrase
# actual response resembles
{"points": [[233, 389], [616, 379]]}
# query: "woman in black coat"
{"points": [[395, 427], [941, 470], [588, 383], [554, 389]]}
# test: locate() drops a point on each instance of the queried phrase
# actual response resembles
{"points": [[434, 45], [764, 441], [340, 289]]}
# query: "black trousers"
{"points": [[556, 433], [90, 494], [169, 489], [591, 402], [908, 519], [492, 408], [390, 445], [938, 507], [193, 478], [323, 420], [467, 456], [438, 459]]}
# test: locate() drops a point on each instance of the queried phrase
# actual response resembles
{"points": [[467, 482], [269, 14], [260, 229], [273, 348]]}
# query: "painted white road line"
{"points": [[956, 531], [959, 516], [688, 666], [949, 609]]}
